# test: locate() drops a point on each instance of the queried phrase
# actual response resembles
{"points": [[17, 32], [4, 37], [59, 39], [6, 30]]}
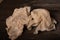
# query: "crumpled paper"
{"points": [[22, 16]]}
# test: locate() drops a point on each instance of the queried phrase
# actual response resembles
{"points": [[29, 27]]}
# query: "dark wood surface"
{"points": [[7, 7]]}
